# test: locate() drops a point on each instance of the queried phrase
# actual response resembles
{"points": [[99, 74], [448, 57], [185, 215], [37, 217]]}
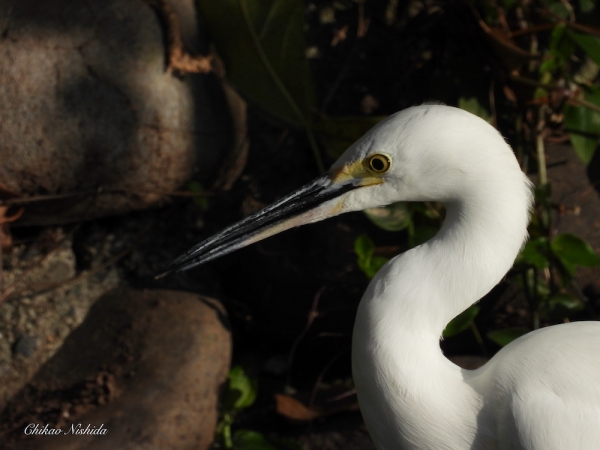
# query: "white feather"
{"points": [[542, 391]]}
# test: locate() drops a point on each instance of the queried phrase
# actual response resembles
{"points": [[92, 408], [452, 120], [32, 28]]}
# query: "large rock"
{"points": [[44, 306], [86, 107], [145, 365]]}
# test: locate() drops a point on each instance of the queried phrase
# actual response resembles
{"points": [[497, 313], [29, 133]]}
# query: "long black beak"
{"points": [[295, 209]]}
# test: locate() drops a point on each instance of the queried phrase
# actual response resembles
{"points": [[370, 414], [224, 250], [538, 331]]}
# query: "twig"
{"points": [[478, 338], [51, 197], [539, 141], [533, 29], [363, 23], [584, 103], [235, 162], [178, 58], [312, 315], [576, 26], [313, 394], [492, 98]]}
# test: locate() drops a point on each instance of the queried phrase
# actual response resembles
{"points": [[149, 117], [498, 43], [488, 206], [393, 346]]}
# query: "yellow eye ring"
{"points": [[378, 163]]}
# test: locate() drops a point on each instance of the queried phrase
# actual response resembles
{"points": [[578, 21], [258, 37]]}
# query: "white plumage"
{"points": [[542, 391]]}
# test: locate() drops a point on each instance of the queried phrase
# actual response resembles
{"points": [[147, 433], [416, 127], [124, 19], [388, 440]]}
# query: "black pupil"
{"points": [[377, 164]]}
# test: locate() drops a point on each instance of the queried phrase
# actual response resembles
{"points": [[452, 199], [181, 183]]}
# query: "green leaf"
{"points": [[394, 217], [472, 105], [422, 234], [585, 146], [250, 440], [197, 188], [261, 43], [590, 45], [583, 126], [241, 391], [534, 284], [572, 250], [336, 134], [561, 305], [543, 193], [559, 9], [377, 262], [535, 252], [561, 44], [461, 322], [548, 65], [507, 335], [364, 249], [587, 6]]}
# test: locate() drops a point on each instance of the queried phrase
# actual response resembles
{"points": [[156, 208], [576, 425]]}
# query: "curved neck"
{"points": [[398, 367], [426, 287]]}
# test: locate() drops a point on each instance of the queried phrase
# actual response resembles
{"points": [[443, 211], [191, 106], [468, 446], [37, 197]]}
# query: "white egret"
{"points": [[542, 391]]}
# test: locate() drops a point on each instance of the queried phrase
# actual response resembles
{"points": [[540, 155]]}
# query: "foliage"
{"points": [[552, 71], [461, 322], [544, 83], [507, 335], [240, 393], [365, 256], [241, 390], [261, 43], [200, 200]]}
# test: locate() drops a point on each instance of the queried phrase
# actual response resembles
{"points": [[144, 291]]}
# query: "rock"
{"points": [[25, 346], [145, 366], [88, 111], [44, 307]]}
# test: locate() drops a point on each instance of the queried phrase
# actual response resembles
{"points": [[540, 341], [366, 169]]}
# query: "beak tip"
{"points": [[162, 275]]}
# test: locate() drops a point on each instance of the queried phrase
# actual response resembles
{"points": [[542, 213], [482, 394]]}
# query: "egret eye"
{"points": [[379, 163]]}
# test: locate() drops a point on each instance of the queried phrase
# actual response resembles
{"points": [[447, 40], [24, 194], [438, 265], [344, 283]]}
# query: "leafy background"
{"points": [[317, 75]]}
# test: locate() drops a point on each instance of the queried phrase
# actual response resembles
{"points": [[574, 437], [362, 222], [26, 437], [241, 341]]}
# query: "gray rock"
{"points": [[87, 108], [26, 346], [44, 307], [145, 365]]}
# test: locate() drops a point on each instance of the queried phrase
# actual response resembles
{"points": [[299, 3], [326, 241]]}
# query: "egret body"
{"points": [[542, 391]]}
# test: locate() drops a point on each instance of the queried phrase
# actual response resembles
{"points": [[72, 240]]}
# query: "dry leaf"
{"points": [[235, 162], [5, 237], [510, 54], [293, 409], [179, 59]]}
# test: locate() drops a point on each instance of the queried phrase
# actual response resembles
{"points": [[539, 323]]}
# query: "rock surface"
{"points": [[44, 307], [88, 109], [144, 365]]}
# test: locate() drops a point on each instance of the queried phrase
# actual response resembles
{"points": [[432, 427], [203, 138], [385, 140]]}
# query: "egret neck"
{"points": [[396, 335]]}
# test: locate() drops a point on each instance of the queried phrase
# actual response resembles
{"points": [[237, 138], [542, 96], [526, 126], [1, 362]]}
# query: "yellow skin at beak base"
{"points": [[356, 170]]}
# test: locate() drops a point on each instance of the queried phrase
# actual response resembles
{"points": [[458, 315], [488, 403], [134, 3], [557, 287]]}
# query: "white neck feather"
{"points": [[411, 300]]}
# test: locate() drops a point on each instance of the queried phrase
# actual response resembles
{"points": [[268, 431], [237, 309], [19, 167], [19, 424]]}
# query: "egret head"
{"points": [[419, 154]]}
